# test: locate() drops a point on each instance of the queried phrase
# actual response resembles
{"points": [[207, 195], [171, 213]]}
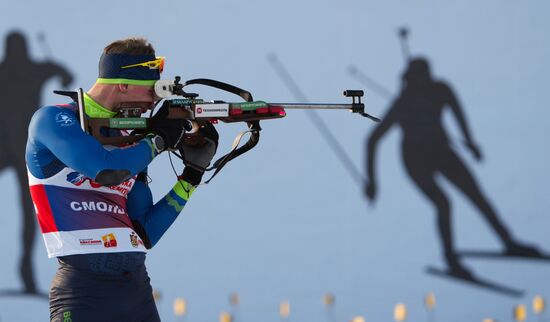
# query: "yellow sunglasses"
{"points": [[152, 64]]}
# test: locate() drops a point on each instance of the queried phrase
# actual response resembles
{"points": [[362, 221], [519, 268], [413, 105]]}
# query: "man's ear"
{"points": [[123, 88]]}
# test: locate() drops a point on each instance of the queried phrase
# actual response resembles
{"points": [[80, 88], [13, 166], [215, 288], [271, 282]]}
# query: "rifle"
{"points": [[187, 106]]}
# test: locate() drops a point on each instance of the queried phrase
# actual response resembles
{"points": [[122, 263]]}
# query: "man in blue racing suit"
{"points": [[93, 204]]}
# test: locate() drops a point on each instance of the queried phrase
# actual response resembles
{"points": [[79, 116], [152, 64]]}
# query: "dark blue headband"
{"points": [[111, 71]]}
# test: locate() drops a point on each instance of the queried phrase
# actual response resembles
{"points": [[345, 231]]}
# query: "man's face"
{"points": [[137, 96]]}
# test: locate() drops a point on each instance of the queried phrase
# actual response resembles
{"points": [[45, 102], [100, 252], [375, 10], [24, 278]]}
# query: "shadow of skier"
{"points": [[427, 152], [21, 81]]}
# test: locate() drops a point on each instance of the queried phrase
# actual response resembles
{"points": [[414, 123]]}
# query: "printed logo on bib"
{"points": [[134, 239], [78, 179], [109, 240], [100, 206], [89, 242]]}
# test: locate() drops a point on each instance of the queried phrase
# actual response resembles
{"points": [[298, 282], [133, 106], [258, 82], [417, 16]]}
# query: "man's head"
{"points": [[418, 72], [16, 46], [132, 46], [128, 69]]}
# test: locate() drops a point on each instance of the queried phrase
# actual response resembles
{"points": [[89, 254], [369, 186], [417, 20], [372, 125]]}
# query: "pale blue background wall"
{"points": [[286, 221]]}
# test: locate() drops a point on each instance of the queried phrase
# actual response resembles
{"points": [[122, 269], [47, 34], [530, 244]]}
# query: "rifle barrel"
{"points": [[301, 106]]}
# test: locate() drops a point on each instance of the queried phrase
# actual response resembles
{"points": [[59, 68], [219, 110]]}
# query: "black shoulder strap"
{"points": [[255, 129], [244, 94]]}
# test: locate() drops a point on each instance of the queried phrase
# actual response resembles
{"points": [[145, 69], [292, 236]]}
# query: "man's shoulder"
{"points": [[61, 115], [52, 110], [442, 85]]}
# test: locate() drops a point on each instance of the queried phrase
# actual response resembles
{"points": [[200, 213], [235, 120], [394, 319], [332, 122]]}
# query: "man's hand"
{"points": [[370, 190], [197, 158], [171, 130], [474, 150]]}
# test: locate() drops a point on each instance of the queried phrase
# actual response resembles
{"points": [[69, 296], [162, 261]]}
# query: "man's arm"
{"points": [[150, 220], [457, 111], [377, 134], [50, 69], [59, 131]]}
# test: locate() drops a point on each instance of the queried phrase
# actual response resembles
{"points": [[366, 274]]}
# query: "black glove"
{"points": [[171, 130], [197, 158]]}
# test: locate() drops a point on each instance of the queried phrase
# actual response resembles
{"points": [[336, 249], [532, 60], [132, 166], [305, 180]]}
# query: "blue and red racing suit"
{"points": [[96, 215]]}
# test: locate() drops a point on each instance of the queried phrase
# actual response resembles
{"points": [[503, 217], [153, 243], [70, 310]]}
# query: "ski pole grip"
{"points": [[352, 93]]}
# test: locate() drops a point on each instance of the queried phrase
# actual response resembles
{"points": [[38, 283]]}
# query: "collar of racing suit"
{"points": [[95, 110]]}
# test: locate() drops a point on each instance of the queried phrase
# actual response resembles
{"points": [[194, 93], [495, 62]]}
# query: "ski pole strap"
{"points": [[254, 130]]}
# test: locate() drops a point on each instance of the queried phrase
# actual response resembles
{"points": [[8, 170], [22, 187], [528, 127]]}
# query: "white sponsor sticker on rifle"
{"points": [[211, 110]]}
